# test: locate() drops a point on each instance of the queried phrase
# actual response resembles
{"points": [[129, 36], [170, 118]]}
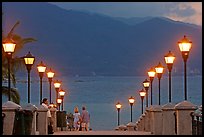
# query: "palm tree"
{"points": [[15, 97], [16, 62]]}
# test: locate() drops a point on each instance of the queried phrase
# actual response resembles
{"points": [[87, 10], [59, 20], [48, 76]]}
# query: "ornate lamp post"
{"points": [[29, 61], [131, 101], [169, 59], [118, 106], [62, 93], [146, 84], [59, 101], [185, 46], [57, 85], [50, 75], [9, 47], [151, 74], [159, 70], [142, 94], [41, 69]]}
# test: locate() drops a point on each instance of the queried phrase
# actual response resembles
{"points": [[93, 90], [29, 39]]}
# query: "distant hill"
{"points": [[81, 43], [133, 20]]}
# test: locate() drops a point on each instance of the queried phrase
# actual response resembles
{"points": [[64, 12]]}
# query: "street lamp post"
{"points": [[159, 70], [142, 94], [9, 47], [41, 69], [62, 93], [59, 101], [50, 75], [185, 46], [169, 59], [151, 74], [57, 85], [29, 61], [118, 106], [131, 101], [146, 86]]}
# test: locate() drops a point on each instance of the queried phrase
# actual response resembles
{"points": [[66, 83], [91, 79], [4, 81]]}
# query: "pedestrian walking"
{"points": [[85, 119], [76, 119]]}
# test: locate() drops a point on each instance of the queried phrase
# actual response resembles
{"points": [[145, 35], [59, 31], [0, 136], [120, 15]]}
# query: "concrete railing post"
{"points": [[168, 119], [147, 120], [42, 120], [131, 126], [143, 122], [136, 126], [150, 119], [183, 116], [53, 112], [8, 109], [140, 123], [33, 108], [156, 116], [122, 127], [117, 128]]}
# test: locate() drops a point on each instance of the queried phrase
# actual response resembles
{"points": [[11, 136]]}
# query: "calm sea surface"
{"points": [[100, 94]]}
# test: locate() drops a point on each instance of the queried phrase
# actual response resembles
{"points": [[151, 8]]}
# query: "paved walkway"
{"points": [[110, 132]]}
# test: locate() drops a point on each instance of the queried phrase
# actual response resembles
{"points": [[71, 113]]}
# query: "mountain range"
{"points": [[80, 43]]}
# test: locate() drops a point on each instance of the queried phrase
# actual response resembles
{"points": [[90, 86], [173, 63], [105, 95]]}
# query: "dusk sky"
{"points": [[190, 12]]}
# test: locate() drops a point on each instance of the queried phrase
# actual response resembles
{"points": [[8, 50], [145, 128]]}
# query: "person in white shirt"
{"points": [[45, 104], [76, 119]]}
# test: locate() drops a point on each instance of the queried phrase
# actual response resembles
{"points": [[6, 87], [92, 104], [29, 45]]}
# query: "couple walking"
{"points": [[81, 121]]}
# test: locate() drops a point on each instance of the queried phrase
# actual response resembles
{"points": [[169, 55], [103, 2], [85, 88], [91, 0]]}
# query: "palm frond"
{"points": [[20, 42], [15, 97], [11, 31], [16, 64]]}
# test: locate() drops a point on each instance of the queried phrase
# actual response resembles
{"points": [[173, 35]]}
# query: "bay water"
{"points": [[101, 93]]}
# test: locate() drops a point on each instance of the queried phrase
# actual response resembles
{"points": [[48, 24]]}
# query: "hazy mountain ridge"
{"points": [[79, 43], [133, 20]]}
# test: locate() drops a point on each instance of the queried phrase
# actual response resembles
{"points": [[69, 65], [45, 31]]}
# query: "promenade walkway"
{"points": [[109, 132]]}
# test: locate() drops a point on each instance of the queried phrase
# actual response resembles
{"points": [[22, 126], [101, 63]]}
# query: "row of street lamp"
{"points": [[159, 69], [29, 59], [131, 102], [184, 46]]}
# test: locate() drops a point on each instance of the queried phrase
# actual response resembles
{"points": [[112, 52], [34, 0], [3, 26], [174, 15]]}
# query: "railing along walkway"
{"points": [[109, 132]]}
